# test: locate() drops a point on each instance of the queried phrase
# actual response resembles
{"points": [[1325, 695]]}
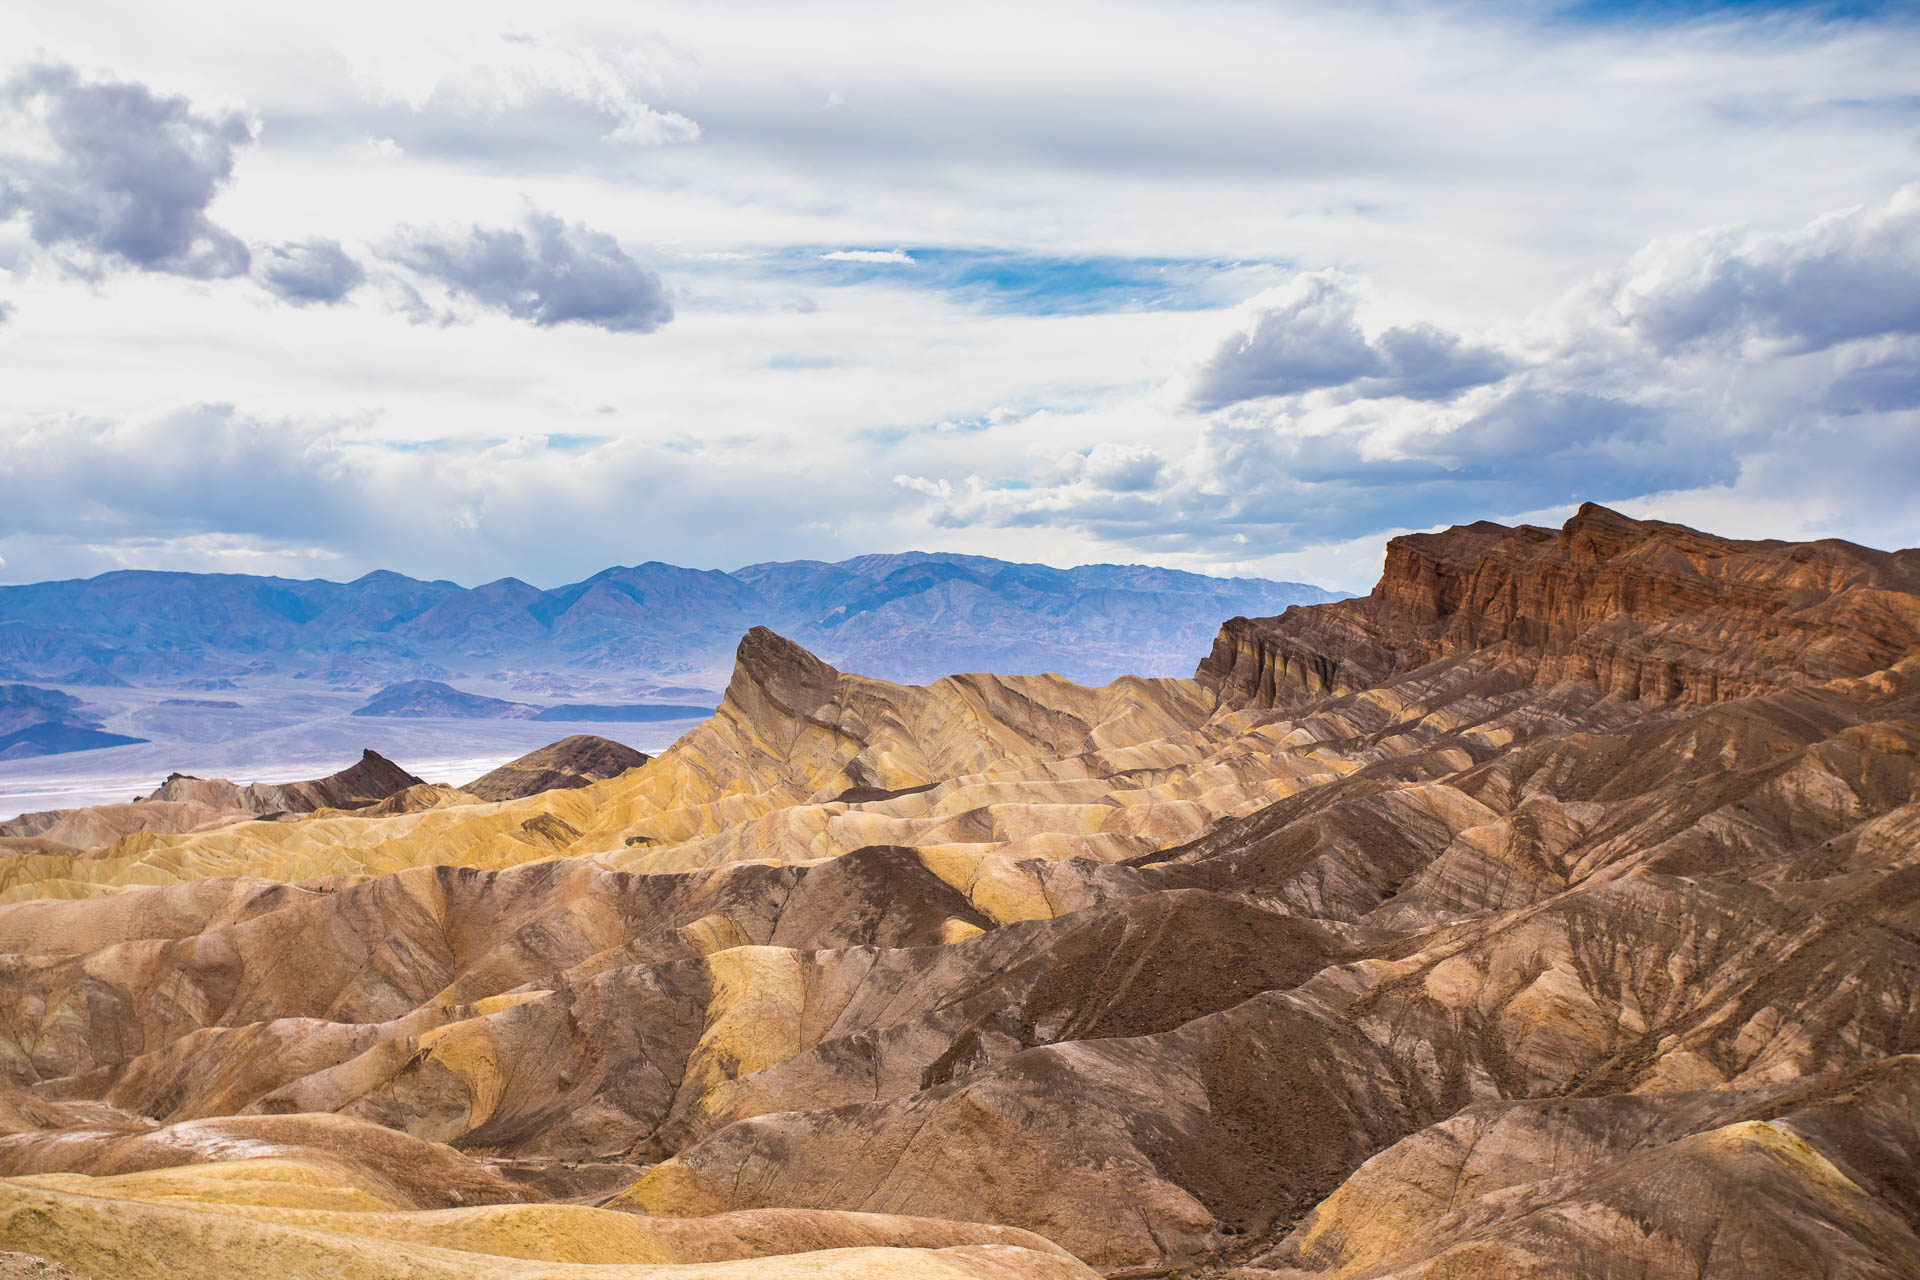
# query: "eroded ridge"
{"points": [[1554, 910]]}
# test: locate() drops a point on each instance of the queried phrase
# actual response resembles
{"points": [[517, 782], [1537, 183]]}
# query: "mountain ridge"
{"points": [[906, 615]]}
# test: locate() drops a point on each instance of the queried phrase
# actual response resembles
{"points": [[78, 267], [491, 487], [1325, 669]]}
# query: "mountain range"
{"points": [[912, 616], [1551, 911]]}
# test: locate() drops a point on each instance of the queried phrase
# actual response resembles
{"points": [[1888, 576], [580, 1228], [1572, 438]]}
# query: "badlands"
{"points": [[1552, 911]]}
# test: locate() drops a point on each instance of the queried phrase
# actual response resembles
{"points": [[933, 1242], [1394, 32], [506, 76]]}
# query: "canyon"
{"points": [[1552, 910]]}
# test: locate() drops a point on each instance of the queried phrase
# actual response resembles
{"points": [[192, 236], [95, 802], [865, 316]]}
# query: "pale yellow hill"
{"points": [[273, 1217]]}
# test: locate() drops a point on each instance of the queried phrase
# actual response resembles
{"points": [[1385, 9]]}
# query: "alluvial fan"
{"points": [[1554, 910]]}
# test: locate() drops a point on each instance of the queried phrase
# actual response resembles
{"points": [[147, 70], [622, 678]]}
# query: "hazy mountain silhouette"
{"points": [[908, 616]]}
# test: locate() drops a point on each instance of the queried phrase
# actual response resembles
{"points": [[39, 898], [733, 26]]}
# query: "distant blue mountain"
{"points": [[913, 616], [58, 739], [46, 722]]}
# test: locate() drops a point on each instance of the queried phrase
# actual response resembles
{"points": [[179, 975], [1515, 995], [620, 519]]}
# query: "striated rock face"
{"points": [[1554, 911], [1647, 611], [572, 762]]}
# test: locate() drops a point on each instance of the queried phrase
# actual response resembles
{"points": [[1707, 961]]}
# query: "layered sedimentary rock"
{"points": [[1555, 910], [1643, 610], [572, 762]]}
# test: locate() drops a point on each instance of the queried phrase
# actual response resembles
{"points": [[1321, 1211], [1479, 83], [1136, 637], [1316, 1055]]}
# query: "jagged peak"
{"points": [[372, 775], [768, 665]]}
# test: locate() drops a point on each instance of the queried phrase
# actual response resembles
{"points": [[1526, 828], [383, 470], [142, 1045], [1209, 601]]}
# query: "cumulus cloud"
{"points": [[1792, 383], [117, 173], [1850, 275], [1279, 479], [1305, 335], [546, 271], [307, 272], [1122, 468]]}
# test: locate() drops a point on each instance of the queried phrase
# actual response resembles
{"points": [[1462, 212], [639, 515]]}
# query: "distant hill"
{"points": [[46, 722], [415, 698], [564, 765], [22, 705], [58, 739], [912, 617]]}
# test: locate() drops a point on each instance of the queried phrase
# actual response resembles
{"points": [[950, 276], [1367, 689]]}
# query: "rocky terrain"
{"points": [[579, 761], [1552, 911]]}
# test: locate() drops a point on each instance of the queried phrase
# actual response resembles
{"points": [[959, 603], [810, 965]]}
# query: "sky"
{"points": [[478, 290]]}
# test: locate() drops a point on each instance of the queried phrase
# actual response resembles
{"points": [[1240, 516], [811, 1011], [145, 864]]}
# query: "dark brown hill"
{"points": [[570, 762]]}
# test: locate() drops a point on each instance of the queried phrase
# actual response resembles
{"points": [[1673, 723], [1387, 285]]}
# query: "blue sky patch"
{"points": [[1679, 11], [1008, 281]]}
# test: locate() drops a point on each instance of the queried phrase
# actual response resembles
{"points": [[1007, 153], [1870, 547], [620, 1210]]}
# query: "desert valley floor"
{"points": [[1552, 911]]}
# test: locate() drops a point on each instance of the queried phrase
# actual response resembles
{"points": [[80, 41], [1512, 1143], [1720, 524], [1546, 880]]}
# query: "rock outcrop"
{"points": [[1555, 910], [1639, 609], [578, 761]]}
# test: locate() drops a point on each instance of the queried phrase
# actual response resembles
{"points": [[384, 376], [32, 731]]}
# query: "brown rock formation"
{"points": [[563, 765], [1553, 911], [1639, 609], [372, 779]]}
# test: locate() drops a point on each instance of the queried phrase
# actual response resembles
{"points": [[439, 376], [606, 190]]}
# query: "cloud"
{"points": [[867, 255], [308, 272], [1121, 468], [547, 271], [1849, 275], [514, 103], [1793, 384], [1280, 480], [1880, 386], [209, 487], [198, 470], [1073, 212], [119, 174], [1305, 336]]}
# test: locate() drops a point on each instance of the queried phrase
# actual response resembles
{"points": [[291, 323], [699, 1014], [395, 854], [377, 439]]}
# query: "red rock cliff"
{"points": [[1639, 608]]}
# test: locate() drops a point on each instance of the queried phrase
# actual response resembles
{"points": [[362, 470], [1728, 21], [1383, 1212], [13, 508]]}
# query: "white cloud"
{"points": [[1443, 174], [1847, 275], [1801, 403], [868, 255], [1305, 335]]}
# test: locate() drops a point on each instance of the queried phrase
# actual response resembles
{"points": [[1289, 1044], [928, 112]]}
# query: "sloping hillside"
{"points": [[1551, 911]]}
